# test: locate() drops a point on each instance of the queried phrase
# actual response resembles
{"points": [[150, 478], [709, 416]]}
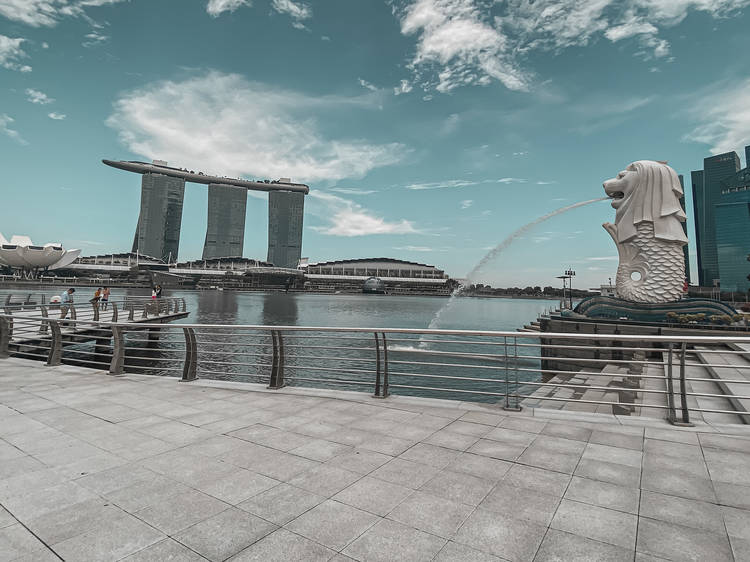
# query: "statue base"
{"points": [[620, 309]]}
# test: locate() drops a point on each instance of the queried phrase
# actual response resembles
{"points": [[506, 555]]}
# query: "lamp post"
{"points": [[570, 273]]}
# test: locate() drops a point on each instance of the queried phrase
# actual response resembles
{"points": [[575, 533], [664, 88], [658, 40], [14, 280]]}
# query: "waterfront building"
{"points": [[225, 231], [733, 231], [285, 222], [707, 187], [160, 217], [684, 229]]}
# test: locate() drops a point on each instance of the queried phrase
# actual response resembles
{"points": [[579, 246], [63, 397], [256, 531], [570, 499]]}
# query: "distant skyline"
{"points": [[428, 130]]}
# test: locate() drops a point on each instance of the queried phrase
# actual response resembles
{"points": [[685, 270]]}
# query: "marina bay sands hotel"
{"points": [[160, 218]]}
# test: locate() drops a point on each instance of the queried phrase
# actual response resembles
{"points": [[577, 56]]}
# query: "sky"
{"points": [[428, 130]]}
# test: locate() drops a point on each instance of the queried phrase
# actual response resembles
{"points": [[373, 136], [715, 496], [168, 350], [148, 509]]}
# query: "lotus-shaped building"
{"points": [[20, 252]]}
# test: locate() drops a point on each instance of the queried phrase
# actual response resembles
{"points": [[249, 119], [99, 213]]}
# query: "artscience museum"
{"points": [[21, 253]]}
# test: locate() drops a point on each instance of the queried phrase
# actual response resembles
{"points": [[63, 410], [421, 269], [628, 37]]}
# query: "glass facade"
{"points": [[707, 187], [684, 228], [285, 219], [733, 232], [160, 218], [225, 231]]}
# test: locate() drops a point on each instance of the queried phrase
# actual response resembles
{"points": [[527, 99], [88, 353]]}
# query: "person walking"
{"points": [[105, 298], [158, 291], [96, 298], [66, 301]]}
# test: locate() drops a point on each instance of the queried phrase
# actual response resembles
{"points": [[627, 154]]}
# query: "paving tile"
{"points": [[483, 418], [672, 449], [737, 522], [15, 541], [431, 455], [728, 466], [45, 500], [126, 535], [725, 442], [541, 456], [432, 514], [223, 535], [616, 455], [560, 444], [320, 450], [497, 450], [677, 483], [521, 503], [459, 487], [687, 437], [477, 465], [66, 522], [453, 552], [373, 495], [174, 513], [597, 523], [613, 473], [603, 494], [146, 493], [732, 495], [281, 504], [510, 539], [325, 480], [405, 473], [544, 481], [6, 518], [523, 423], [694, 466], [740, 548], [620, 440], [360, 461], [237, 486], [675, 542], [558, 546], [388, 540], [681, 511], [167, 550], [511, 436], [284, 546], [468, 428], [567, 431], [332, 524], [451, 440]]}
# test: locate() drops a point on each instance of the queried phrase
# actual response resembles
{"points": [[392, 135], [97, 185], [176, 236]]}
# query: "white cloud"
{"points": [[546, 182], [353, 191], [298, 11], [247, 128], [56, 116], [47, 13], [35, 96], [466, 203], [724, 117], [448, 184], [403, 88], [365, 84], [216, 7], [347, 218], [601, 258], [11, 53], [415, 249], [460, 42], [94, 39], [5, 121]]}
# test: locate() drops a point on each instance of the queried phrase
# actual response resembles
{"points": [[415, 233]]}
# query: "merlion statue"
{"points": [[647, 232]]}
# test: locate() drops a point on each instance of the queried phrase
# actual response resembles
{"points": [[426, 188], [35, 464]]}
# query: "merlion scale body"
{"points": [[648, 232]]}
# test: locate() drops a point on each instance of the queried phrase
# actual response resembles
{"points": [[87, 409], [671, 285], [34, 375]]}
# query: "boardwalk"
{"points": [[95, 467]]}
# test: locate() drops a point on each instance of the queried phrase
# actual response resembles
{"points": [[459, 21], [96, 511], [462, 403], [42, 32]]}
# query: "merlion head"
{"points": [[647, 191]]}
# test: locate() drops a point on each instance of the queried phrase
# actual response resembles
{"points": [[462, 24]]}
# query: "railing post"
{"points": [[377, 367], [507, 374], [43, 324], [131, 313], [56, 345], [683, 390], [118, 351], [114, 312], [516, 407], [145, 308], [385, 365], [277, 364], [190, 369], [72, 312], [6, 333], [184, 304], [671, 415]]}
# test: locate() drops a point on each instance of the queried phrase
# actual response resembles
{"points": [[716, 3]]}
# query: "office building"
{"points": [[160, 218], [225, 232], [707, 187], [733, 232], [684, 229], [285, 217]]}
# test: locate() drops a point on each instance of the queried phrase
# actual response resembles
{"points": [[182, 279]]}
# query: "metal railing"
{"points": [[680, 378]]}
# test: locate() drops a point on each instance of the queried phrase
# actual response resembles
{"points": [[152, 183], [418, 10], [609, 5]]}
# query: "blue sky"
{"points": [[428, 130]]}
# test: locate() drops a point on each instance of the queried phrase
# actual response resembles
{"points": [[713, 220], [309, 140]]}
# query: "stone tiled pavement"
{"points": [[94, 467]]}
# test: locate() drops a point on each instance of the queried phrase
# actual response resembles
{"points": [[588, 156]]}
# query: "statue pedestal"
{"points": [[612, 308]]}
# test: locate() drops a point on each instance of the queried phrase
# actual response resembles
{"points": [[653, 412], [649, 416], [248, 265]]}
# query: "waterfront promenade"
{"points": [[97, 467]]}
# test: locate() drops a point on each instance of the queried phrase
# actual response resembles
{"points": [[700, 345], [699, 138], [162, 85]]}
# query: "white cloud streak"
{"points": [[460, 42], [298, 11], [47, 13], [35, 96], [451, 184], [56, 116], [216, 7], [5, 121], [347, 218], [11, 53], [403, 88], [223, 123], [724, 117]]}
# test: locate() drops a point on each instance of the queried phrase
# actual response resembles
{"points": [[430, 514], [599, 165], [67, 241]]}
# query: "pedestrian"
{"points": [[96, 298], [66, 301], [158, 291], [153, 292], [105, 298]]}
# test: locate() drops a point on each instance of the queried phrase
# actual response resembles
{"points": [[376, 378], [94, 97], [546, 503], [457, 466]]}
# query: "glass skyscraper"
{"points": [[285, 215], [707, 187], [225, 232], [733, 232], [160, 218]]}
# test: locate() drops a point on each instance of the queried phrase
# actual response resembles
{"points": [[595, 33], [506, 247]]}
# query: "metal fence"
{"points": [[680, 378]]}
